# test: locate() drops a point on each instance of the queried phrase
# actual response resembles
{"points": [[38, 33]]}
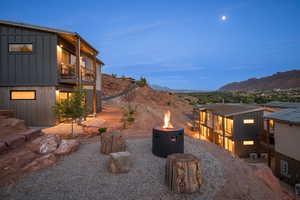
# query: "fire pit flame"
{"points": [[167, 120]]}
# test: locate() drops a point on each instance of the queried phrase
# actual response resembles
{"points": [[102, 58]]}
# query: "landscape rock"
{"points": [[31, 134], [40, 163], [12, 162], [67, 147], [119, 162], [13, 123], [90, 130], [45, 144], [14, 141], [3, 147]]}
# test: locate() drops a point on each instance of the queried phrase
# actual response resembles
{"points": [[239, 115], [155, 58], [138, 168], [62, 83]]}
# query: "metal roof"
{"points": [[46, 29], [287, 115], [230, 109], [280, 104]]}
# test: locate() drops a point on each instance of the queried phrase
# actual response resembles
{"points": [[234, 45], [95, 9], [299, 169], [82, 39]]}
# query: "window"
{"points": [[20, 48], [248, 121], [248, 142], [64, 95], [228, 126], [202, 117], [284, 168], [22, 95]]}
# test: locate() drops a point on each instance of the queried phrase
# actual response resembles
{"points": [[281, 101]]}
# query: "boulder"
{"points": [[45, 144], [90, 130], [67, 147], [31, 134], [13, 161], [13, 123], [119, 162], [3, 147], [40, 163], [14, 141]]}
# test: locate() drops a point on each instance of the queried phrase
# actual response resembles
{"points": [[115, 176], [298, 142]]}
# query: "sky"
{"points": [[178, 44]]}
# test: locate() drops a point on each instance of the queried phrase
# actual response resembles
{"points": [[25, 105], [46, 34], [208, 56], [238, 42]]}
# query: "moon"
{"points": [[224, 18]]}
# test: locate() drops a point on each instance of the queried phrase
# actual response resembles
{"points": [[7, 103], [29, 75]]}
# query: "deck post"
{"points": [[78, 68], [94, 86], [223, 130], [269, 145]]}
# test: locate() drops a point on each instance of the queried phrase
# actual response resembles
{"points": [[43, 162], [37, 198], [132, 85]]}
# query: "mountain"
{"points": [[280, 80], [162, 88]]}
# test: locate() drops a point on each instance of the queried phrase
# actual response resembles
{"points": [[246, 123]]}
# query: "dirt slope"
{"points": [[242, 181]]}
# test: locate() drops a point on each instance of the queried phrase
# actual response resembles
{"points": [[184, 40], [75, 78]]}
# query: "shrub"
{"points": [[114, 75], [102, 130], [130, 119], [142, 82]]}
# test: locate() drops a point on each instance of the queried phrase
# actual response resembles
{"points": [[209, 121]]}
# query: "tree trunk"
{"points": [[112, 142], [183, 173], [72, 129]]}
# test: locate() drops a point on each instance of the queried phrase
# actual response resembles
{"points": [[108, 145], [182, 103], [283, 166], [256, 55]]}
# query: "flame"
{"points": [[167, 118]]}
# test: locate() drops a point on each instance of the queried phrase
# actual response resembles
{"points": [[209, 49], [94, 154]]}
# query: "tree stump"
{"points": [[183, 173], [112, 142]]}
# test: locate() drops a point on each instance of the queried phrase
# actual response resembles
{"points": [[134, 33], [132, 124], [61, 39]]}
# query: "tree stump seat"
{"points": [[112, 142], [183, 173]]}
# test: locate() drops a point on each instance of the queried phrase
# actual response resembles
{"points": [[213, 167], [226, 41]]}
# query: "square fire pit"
{"points": [[167, 140]]}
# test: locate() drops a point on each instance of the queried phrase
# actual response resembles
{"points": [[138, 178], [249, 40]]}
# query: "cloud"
{"points": [[133, 30]]}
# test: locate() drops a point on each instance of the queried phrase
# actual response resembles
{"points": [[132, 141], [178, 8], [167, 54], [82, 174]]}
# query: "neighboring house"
{"points": [[274, 106], [285, 132], [235, 127], [268, 135], [39, 65]]}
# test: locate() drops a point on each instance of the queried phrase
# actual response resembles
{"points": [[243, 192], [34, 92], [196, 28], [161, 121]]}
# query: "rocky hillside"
{"points": [[282, 80]]}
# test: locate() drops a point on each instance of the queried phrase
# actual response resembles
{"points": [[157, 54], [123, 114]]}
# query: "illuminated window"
{"points": [[248, 121], [249, 142], [22, 95], [20, 47], [64, 95]]}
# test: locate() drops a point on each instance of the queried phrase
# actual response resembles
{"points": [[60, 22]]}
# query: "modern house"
{"points": [[39, 65], [285, 149], [235, 127]]}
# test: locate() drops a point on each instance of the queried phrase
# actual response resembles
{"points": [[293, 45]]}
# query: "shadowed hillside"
{"points": [[282, 80]]}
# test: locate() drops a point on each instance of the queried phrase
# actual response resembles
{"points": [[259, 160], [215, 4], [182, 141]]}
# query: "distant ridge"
{"points": [[280, 80], [162, 88]]}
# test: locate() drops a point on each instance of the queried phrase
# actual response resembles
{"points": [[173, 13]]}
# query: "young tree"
{"points": [[73, 107]]}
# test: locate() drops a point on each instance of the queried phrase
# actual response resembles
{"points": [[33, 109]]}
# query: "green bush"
{"points": [[114, 75], [130, 119], [102, 130], [142, 82]]}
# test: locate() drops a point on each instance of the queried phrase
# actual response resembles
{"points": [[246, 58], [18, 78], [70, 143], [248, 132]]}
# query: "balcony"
{"points": [[88, 75], [67, 74]]}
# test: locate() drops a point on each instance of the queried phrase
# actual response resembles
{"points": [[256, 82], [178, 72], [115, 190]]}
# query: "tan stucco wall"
{"points": [[287, 140]]}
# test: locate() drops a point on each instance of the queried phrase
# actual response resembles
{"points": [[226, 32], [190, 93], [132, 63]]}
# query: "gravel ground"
{"points": [[83, 175]]}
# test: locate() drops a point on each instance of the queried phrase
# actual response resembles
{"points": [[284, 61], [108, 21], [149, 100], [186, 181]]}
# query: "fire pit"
{"points": [[167, 139]]}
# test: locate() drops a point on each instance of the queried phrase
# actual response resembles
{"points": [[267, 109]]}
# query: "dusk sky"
{"points": [[178, 44]]}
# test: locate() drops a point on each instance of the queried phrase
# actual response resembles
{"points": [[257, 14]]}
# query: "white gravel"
{"points": [[83, 175]]}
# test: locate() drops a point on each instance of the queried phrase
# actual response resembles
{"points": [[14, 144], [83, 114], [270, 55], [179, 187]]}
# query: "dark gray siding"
{"points": [[37, 112], [244, 150], [248, 131], [38, 68]]}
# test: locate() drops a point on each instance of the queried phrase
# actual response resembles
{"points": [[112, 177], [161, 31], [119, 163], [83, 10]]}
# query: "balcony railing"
{"points": [[88, 75], [67, 71]]}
